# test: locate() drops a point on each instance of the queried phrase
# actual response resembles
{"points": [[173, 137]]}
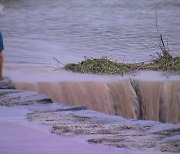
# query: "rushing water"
{"points": [[35, 31], [139, 99]]}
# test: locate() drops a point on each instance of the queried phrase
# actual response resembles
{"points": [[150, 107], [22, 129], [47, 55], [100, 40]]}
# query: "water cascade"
{"points": [[139, 99]]}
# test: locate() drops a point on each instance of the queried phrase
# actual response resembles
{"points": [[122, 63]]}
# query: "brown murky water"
{"points": [[139, 97]]}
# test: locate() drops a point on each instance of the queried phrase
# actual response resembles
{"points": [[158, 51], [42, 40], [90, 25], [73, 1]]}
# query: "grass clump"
{"points": [[167, 63], [98, 65], [104, 65]]}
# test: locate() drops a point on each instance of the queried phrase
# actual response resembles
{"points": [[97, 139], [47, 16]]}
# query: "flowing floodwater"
{"points": [[141, 95], [147, 100], [35, 31]]}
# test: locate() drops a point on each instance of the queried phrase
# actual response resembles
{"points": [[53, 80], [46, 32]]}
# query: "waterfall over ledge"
{"points": [[130, 98]]}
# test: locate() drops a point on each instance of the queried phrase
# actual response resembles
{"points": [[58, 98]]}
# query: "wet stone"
{"points": [[6, 83]]}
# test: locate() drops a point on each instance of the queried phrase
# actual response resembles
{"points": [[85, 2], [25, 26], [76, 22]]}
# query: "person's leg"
{"points": [[1, 56], [1, 65]]}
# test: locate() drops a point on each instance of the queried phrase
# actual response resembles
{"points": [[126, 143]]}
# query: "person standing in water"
{"points": [[1, 56]]}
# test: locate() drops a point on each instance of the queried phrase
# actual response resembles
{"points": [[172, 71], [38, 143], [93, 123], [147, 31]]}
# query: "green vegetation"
{"points": [[168, 64], [101, 65], [106, 66]]}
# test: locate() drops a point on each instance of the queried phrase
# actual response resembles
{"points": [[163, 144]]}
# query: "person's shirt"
{"points": [[1, 42]]}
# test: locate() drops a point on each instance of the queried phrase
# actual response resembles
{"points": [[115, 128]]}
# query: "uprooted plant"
{"points": [[165, 60]]}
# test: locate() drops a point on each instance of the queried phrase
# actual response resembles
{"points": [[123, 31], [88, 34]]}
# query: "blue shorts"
{"points": [[1, 43]]}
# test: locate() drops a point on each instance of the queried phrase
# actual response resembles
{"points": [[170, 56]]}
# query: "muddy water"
{"points": [[124, 98], [157, 99], [170, 104], [35, 31]]}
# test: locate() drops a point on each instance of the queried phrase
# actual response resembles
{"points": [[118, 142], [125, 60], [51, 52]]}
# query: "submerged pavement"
{"points": [[20, 136], [17, 139]]}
